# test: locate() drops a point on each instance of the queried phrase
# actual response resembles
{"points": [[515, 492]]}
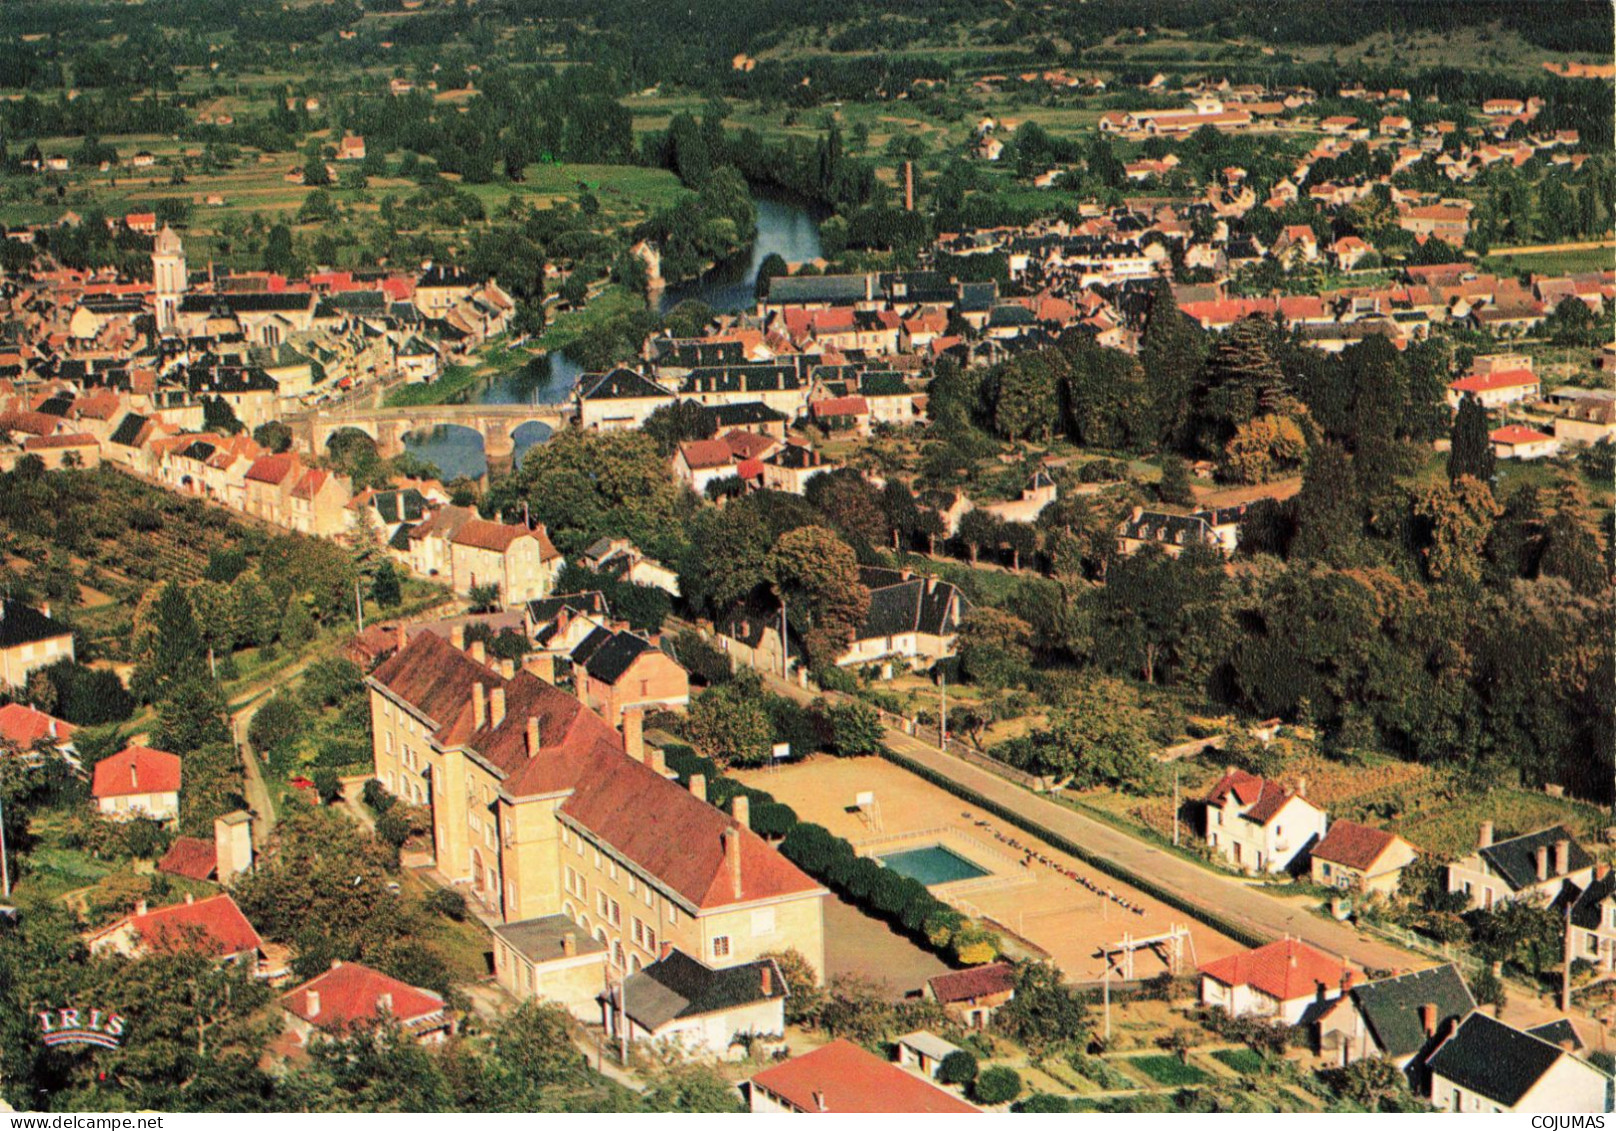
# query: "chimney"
{"points": [[311, 1002], [532, 736], [659, 761], [819, 1101], [232, 845], [507, 668], [1301, 786], [1347, 978], [1601, 871], [768, 980], [479, 652], [479, 706], [1428, 1019], [732, 857], [1562, 857], [140, 907], [1542, 862], [457, 637], [134, 782], [1320, 992], [742, 808], [569, 944], [189, 899], [634, 733], [1485, 838], [496, 706], [698, 786], [384, 1001], [401, 637]]}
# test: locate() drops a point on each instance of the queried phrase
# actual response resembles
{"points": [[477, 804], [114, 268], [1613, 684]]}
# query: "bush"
{"points": [[393, 827], [327, 785], [1043, 1103], [837, 679], [958, 1067], [996, 1085], [377, 797], [449, 904]]}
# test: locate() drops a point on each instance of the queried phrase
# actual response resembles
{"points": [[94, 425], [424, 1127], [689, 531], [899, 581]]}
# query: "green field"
{"points": [[1247, 1062], [1553, 262], [1168, 1070]]}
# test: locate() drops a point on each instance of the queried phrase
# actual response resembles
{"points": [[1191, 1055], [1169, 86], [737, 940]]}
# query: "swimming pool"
{"points": [[932, 864]]}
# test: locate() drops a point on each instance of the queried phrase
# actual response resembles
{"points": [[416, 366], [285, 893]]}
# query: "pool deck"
{"points": [[1030, 892]]}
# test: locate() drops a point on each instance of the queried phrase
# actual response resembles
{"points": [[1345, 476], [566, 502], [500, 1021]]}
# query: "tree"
{"points": [[1263, 448], [773, 265], [1043, 1013], [1098, 738], [1174, 487], [850, 504], [1374, 1084], [314, 172], [958, 1067], [278, 726], [994, 647], [802, 983], [384, 587], [1329, 509], [279, 257], [856, 727], [815, 573], [672, 424], [174, 649], [1472, 450], [729, 725], [996, 1085], [1457, 517], [1244, 382], [274, 436]]}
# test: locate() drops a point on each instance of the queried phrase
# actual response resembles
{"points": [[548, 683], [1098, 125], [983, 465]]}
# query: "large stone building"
{"points": [[540, 808]]}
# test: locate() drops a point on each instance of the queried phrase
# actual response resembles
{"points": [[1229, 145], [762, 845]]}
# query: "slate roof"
{"points": [[1556, 1032], [24, 624], [127, 434], [593, 603], [1587, 911], [408, 505], [611, 659], [679, 986], [539, 940], [1515, 860], [917, 605], [254, 303], [818, 288], [1391, 1006], [619, 384], [1161, 526], [1493, 1059], [741, 415]]}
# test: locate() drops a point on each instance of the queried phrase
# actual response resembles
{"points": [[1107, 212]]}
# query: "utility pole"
{"points": [[942, 728], [1107, 999], [785, 644], [1175, 805], [359, 605], [5, 862]]}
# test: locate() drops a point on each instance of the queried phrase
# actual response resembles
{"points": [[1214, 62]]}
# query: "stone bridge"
{"points": [[496, 423]]}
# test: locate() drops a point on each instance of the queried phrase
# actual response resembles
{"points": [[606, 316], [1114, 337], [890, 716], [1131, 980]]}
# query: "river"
{"points": [[785, 228]]}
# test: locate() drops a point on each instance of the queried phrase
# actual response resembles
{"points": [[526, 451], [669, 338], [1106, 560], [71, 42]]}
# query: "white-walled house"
{"points": [[683, 1001], [138, 782], [1488, 1066], [1537, 866], [1260, 825], [1278, 981]]}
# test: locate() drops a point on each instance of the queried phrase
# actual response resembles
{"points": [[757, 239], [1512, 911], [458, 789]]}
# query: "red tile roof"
{"points": [[841, 1077], [22, 726], [1353, 845], [700, 455], [482, 534], [136, 769], [192, 857], [75, 440], [748, 445], [1284, 970], [1265, 798], [223, 928], [352, 995], [1518, 434], [840, 406], [976, 982], [271, 469], [1503, 379]]}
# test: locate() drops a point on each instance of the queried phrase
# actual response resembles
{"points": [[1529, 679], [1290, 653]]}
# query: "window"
{"points": [[673, 912], [638, 933], [611, 868], [597, 859], [650, 940], [601, 903], [721, 946], [631, 883], [763, 922], [617, 914], [389, 742]]}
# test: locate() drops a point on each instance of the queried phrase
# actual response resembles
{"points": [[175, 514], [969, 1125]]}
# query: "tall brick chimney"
{"points": [[1562, 857], [1484, 839], [1542, 862], [457, 637], [479, 706], [732, 857], [742, 808], [479, 652], [532, 736], [698, 786], [496, 706], [634, 733], [1428, 1019]]}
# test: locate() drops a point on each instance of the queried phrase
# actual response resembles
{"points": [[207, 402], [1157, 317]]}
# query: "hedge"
{"points": [[903, 902]]}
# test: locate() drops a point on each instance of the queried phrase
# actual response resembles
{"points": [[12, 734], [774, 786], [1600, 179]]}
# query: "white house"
{"points": [[1278, 981], [1260, 825], [1488, 1066], [138, 782], [683, 1001], [1536, 866]]}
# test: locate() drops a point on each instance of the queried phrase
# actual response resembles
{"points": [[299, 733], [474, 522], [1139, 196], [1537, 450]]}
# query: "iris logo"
{"points": [[72, 1027]]}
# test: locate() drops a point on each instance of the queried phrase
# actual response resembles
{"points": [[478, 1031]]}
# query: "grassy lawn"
{"points": [[454, 380], [1168, 1070], [1553, 262], [612, 301], [1247, 1062]]}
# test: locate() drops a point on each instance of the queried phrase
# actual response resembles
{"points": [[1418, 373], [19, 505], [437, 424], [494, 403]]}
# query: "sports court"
{"points": [[1056, 905]]}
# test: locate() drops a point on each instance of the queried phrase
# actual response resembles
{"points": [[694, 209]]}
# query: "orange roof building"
{"points": [[352, 996], [841, 1077], [213, 926], [1278, 981], [138, 782]]}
